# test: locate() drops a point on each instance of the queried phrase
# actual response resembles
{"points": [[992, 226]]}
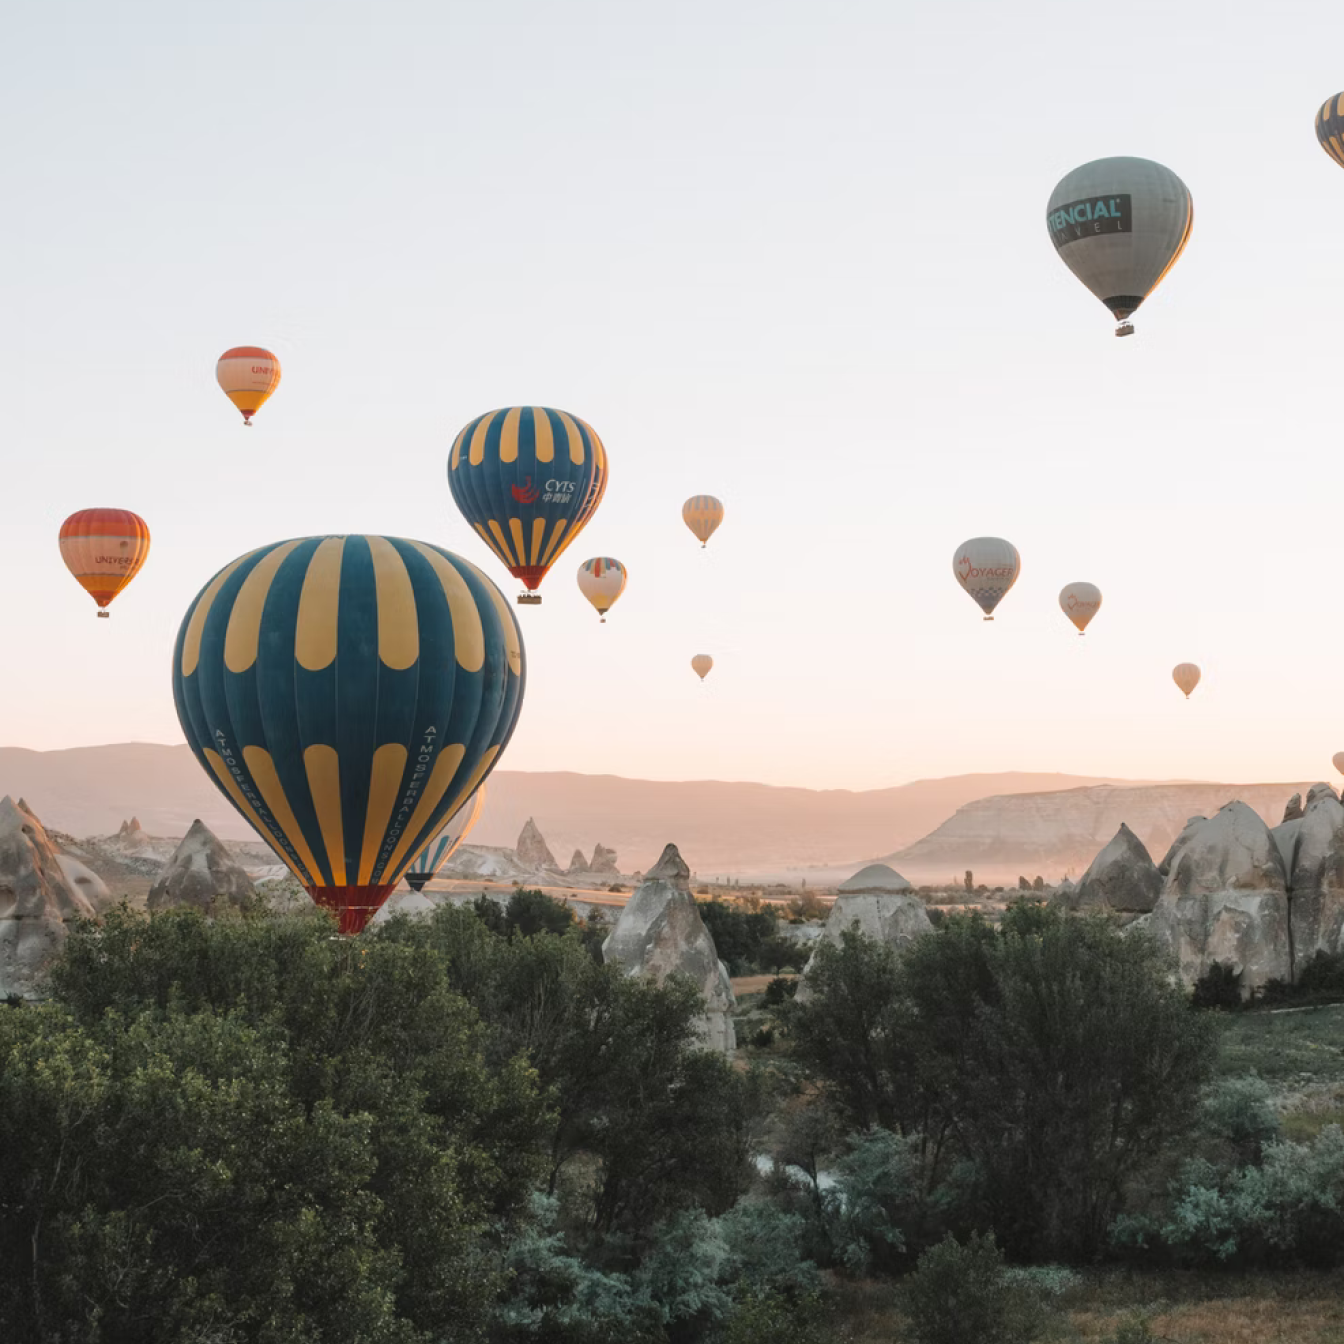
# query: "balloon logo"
{"points": [[444, 845], [702, 514], [104, 549], [1186, 676], [248, 375], [986, 567], [491, 469], [1080, 603], [602, 581], [347, 694], [1119, 225]]}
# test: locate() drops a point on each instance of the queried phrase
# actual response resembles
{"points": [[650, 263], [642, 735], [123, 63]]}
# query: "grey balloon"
{"points": [[1119, 225]]}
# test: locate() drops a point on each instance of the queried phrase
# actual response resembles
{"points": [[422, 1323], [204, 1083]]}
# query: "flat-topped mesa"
{"points": [[532, 850], [660, 933], [1123, 877], [203, 875], [36, 901]]}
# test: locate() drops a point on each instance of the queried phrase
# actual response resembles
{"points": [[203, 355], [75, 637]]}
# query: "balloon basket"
{"points": [[104, 615], [1125, 329], [529, 599]]}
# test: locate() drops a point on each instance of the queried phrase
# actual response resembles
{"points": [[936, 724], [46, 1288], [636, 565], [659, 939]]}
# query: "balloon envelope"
{"points": [[1080, 602], [1186, 676], [702, 514], [1337, 760], [602, 581], [1330, 127], [442, 847], [104, 549], [701, 664], [527, 479], [248, 374], [347, 694], [1119, 225], [986, 567]]}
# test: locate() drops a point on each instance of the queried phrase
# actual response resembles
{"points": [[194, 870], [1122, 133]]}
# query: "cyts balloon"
{"points": [[602, 581], [986, 567], [527, 479], [248, 374], [702, 514], [1080, 602], [1119, 225], [347, 694], [104, 549]]}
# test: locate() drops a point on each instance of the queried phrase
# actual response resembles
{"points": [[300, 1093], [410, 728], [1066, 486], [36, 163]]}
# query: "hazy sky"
{"points": [[792, 254]]}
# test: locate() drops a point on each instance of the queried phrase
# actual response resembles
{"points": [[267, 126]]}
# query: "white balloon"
{"points": [[986, 567], [1080, 602]]}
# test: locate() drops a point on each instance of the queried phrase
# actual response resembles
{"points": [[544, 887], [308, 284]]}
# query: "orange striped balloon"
{"points": [[104, 549], [248, 374]]}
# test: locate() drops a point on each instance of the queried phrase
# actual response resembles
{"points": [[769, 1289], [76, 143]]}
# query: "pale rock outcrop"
{"points": [[577, 864], [532, 850], [36, 900], [1316, 878], [1122, 877], [894, 917], [201, 874], [1294, 809], [875, 879], [84, 880], [604, 861], [660, 933], [1225, 899]]}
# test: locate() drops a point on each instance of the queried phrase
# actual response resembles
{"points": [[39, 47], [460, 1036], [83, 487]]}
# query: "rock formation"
{"points": [[660, 932], [875, 879], [532, 850], [578, 864], [412, 903], [84, 880], [1225, 899], [36, 900], [1315, 865], [604, 861], [1122, 877], [201, 874], [1294, 808]]}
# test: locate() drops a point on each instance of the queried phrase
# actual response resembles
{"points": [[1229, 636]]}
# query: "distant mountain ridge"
{"points": [[721, 827]]}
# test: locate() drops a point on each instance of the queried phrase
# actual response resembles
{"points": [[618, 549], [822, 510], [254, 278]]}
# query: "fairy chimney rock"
{"points": [[532, 849], [201, 874]]}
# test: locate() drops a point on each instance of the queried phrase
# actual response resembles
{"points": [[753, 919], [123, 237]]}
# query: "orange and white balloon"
{"points": [[104, 549], [701, 664], [1080, 602], [248, 374], [602, 581], [702, 514], [1186, 676]]}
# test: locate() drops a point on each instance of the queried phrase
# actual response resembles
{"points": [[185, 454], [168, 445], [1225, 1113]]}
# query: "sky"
{"points": [[791, 254]]}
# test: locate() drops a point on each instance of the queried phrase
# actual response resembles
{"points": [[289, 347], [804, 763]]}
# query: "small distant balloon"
{"points": [[1119, 225], [702, 514], [104, 549], [248, 374], [1338, 761], [986, 567], [444, 845], [1186, 676], [1330, 127], [1080, 602], [602, 581], [701, 664]]}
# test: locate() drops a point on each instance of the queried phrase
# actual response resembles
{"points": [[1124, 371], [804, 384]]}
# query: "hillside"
{"points": [[736, 828]]}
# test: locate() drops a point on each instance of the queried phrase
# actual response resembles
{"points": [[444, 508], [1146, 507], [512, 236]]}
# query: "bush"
{"points": [[740, 934], [961, 1295], [780, 991], [1218, 988], [769, 1318]]}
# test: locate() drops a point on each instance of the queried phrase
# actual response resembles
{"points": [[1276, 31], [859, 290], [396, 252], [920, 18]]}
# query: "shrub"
{"points": [[780, 991], [1218, 988], [770, 1317], [960, 1294]]}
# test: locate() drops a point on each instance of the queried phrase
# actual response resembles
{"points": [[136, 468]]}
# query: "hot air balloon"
{"points": [[1337, 760], [702, 514], [442, 847], [1119, 225], [1080, 603], [248, 374], [527, 479], [1330, 127], [104, 549], [986, 567], [347, 694], [602, 581], [1186, 676], [701, 664]]}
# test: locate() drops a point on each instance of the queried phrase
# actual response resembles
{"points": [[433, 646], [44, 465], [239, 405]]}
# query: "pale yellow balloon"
{"points": [[701, 664], [1186, 676], [602, 581]]}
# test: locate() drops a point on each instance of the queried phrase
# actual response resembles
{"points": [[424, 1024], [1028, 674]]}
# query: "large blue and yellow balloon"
{"points": [[347, 694], [527, 478]]}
